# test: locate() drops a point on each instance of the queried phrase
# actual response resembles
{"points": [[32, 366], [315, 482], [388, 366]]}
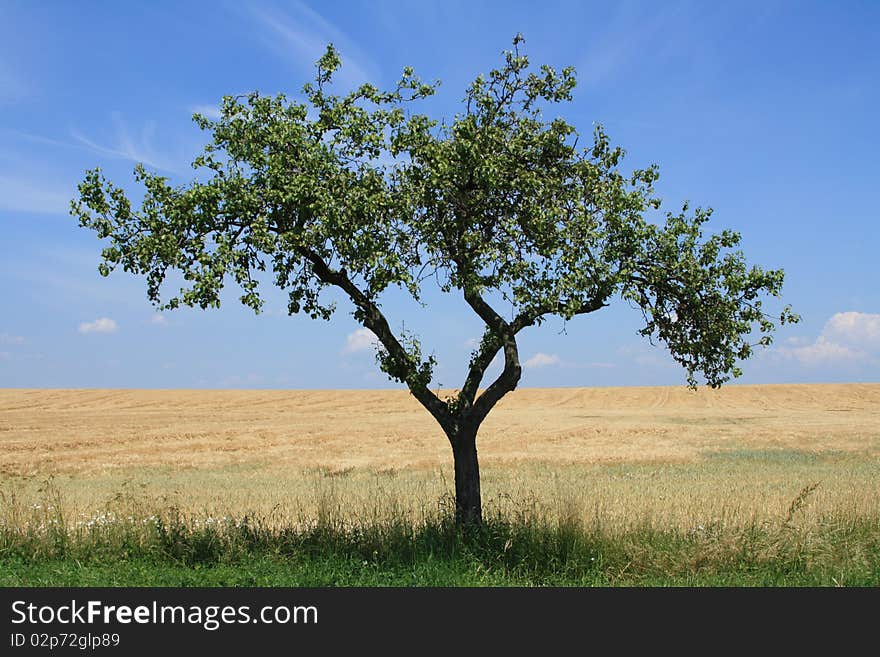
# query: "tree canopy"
{"points": [[498, 205]]}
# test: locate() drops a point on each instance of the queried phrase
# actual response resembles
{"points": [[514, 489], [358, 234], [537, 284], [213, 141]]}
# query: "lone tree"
{"points": [[499, 206]]}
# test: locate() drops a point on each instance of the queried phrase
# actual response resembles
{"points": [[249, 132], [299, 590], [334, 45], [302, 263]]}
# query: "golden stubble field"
{"points": [[662, 455]]}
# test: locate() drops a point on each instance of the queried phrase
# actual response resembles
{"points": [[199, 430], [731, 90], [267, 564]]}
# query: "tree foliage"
{"points": [[361, 193]]}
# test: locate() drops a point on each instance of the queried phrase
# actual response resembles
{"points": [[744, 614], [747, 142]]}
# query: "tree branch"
{"points": [[492, 343], [372, 318], [530, 316], [509, 377]]}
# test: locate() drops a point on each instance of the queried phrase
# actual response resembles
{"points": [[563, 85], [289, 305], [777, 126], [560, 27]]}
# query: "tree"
{"points": [[499, 206]]}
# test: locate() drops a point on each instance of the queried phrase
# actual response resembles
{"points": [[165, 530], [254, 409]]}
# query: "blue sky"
{"points": [[765, 111]]}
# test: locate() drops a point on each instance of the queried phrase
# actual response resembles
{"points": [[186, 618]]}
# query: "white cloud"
{"points": [[360, 340], [854, 328], [100, 325], [541, 359], [470, 343], [6, 338], [822, 351], [847, 337], [159, 319]]}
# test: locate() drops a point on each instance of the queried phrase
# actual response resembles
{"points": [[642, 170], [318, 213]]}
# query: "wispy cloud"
{"points": [[23, 195], [541, 359], [847, 338], [159, 320], [37, 139], [360, 340], [100, 325], [301, 35], [124, 146], [128, 147]]}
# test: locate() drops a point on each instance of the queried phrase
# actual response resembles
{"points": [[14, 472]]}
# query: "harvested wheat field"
{"points": [[663, 455]]}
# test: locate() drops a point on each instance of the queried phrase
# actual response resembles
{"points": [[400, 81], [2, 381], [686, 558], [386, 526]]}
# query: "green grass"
{"points": [[776, 456], [176, 551]]}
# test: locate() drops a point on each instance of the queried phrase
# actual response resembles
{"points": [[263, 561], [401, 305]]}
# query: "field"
{"points": [[747, 484]]}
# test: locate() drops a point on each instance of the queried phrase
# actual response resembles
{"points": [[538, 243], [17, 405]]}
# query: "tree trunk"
{"points": [[468, 504]]}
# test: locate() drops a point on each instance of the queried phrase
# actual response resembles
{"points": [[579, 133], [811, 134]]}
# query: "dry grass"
{"points": [[610, 456]]}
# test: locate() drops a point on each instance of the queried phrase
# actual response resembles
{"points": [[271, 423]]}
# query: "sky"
{"points": [[764, 111]]}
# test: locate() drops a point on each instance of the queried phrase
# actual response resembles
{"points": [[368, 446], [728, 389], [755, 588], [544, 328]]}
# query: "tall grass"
{"points": [[735, 488], [518, 544]]}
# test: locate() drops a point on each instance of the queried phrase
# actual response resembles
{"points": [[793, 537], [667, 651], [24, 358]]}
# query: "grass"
{"points": [[519, 549], [738, 488]]}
